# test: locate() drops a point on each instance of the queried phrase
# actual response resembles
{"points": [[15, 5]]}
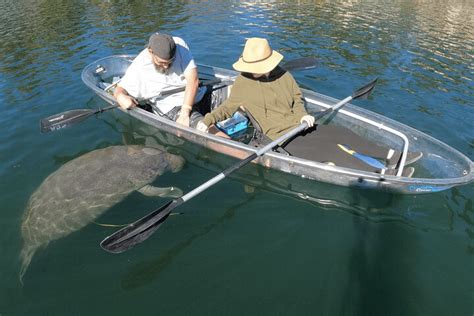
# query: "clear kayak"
{"points": [[441, 167]]}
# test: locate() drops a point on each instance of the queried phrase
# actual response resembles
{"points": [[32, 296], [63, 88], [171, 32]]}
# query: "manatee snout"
{"points": [[176, 163]]}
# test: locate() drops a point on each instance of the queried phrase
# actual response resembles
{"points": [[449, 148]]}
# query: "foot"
{"points": [[407, 172], [412, 156]]}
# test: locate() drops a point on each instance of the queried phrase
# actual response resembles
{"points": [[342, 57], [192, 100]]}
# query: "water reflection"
{"points": [[428, 49], [461, 206], [359, 38]]}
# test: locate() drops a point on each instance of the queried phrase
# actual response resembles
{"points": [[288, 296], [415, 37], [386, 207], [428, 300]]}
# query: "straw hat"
{"points": [[257, 57]]}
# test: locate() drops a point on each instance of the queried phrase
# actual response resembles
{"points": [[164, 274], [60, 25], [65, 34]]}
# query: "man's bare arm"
{"points": [[192, 84], [124, 100]]}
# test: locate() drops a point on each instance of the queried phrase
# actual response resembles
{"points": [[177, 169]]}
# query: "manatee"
{"points": [[83, 188]]}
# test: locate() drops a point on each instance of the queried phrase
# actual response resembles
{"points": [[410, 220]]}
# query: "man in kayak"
{"points": [[271, 96], [166, 63]]}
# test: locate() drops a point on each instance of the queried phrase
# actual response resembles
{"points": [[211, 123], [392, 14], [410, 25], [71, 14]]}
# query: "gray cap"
{"points": [[162, 45]]}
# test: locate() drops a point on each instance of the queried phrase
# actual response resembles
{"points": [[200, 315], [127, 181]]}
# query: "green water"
{"points": [[344, 252]]}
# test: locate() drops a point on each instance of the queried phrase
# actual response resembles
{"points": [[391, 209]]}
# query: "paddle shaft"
{"points": [[143, 228], [168, 92], [71, 117], [335, 107], [242, 163], [362, 92]]}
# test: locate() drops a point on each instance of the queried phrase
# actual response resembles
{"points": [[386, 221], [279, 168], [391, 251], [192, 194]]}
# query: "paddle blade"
{"points": [[364, 158], [137, 232], [300, 64], [64, 120], [365, 91]]}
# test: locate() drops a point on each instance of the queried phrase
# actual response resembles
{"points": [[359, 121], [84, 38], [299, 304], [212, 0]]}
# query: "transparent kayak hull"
{"points": [[441, 167]]}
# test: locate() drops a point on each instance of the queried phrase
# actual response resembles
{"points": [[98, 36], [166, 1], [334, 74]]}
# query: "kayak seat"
{"points": [[258, 138]]}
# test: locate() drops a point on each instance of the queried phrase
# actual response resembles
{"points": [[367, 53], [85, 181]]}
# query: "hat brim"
{"points": [[260, 67]]}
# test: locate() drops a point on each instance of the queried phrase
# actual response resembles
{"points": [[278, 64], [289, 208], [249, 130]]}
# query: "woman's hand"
{"points": [[202, 127], [309, 119]]}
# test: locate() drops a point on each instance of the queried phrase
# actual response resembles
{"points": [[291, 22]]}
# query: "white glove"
{"points": [[183, 119], [309, 119], [202, 127]]}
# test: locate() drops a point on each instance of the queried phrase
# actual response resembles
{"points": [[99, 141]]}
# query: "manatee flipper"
{"points": [[26, 255], [171, 192]]}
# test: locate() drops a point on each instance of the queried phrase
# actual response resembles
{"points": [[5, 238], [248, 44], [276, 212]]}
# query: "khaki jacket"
{"points": [[275, 102]]}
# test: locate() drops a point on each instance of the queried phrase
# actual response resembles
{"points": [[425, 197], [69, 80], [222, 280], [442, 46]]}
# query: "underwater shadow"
{"points": [[144, 273]]}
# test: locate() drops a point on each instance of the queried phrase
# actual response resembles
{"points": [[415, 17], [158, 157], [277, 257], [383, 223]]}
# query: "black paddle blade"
{"points": [[64, 120], [137, 232], [365, 91], [300, 64]]}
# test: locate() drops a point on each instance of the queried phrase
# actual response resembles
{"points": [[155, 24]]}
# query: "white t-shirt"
{"points": [[142, 80]]}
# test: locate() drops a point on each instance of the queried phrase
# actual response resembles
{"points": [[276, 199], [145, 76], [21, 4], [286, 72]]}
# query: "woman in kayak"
{"points": [[274, 102]]}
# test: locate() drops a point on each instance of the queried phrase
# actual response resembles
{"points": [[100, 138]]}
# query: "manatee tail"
{"points": [[26, 255]]}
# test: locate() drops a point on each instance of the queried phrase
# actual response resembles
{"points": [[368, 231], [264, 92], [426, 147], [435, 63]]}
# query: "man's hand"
{"points": [[125, 101], [309, 119], [183, 118]]}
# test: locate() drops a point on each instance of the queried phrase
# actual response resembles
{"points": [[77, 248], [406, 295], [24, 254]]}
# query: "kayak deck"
{"points": [[441, 167]]}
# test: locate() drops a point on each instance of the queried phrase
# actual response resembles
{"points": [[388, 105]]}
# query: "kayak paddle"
{"points": [[137, 232], [68, 118], [71, 117], [141, 229], [371, 161], [302, 63]]}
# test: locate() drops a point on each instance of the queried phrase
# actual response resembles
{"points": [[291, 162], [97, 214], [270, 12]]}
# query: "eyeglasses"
{"points": [[161, 62]]}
